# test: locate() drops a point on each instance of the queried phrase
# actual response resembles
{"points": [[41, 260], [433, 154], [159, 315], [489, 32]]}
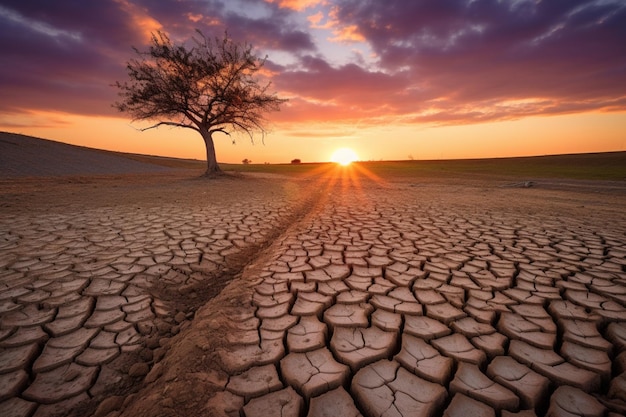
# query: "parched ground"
{"points": [[96, 273], [336, 293]]}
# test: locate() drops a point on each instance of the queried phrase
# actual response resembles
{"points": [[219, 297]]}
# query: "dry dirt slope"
{"points": [[26, 156]]}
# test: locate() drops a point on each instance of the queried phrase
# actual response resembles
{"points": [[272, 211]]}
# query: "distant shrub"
{"points": [[296, 161], [246, 161]]}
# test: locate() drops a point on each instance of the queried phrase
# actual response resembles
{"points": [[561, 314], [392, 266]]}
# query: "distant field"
{"points": [[598, 166], [593, 166], [37, 157]]}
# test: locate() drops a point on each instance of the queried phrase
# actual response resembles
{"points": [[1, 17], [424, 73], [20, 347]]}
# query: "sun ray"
{"points": [[344, 156]]}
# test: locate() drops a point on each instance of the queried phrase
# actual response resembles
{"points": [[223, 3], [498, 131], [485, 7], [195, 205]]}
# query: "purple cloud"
{"points": [[64, 56], [482, 53], [445, 61]]}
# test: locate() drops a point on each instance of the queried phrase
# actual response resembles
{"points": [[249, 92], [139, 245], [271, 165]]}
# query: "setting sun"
{"points": [[344, 156]]}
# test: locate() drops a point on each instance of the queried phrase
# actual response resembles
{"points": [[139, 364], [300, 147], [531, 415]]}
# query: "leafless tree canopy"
{"points": [[208, 87]]}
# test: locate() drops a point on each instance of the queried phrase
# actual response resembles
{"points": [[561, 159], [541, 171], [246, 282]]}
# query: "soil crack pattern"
{"points": [[90, 299], [382, 299], [392, 309]]}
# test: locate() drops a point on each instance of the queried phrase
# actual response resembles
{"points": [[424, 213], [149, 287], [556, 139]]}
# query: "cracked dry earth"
{"points": [[369, 297], [97, 275]]}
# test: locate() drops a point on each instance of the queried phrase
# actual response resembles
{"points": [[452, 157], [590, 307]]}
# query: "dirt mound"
{"points": [[26, 156]]}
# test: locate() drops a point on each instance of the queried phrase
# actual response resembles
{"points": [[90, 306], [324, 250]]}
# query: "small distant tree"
{"points": [[295, 161], [246, 161], [208, 87]]}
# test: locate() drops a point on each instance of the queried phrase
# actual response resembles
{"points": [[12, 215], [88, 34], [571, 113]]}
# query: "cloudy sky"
{"points": [[391, 79]]}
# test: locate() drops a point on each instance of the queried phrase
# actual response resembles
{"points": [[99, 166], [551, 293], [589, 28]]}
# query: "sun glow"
{"points": [[344, 156]]}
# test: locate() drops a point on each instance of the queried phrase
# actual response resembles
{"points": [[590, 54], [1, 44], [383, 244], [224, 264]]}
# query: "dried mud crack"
{"points": [[373, 299], [92, 293], [385, 302]]}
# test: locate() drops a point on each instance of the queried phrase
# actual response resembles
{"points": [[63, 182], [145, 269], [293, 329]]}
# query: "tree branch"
{"points": [[166, 123]]}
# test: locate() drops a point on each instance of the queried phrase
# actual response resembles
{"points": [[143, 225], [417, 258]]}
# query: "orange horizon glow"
{"points": [[351, 178], [389, 83], [579, 133], [344, 156]]}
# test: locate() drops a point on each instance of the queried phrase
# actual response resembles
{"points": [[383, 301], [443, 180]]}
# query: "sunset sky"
{"points": [[390, 79]]}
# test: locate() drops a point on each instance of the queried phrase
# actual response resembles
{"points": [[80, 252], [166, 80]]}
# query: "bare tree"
{"points": [[208, 87]]}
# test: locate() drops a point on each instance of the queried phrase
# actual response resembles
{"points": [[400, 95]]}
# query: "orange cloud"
{"points": [[342, 32], [297, 5], [348, 34], [315, 19], [207, 20], [194, 17], [140, 18]]}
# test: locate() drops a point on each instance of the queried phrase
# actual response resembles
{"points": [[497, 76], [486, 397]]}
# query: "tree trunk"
{"points": [[212, 167]]}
